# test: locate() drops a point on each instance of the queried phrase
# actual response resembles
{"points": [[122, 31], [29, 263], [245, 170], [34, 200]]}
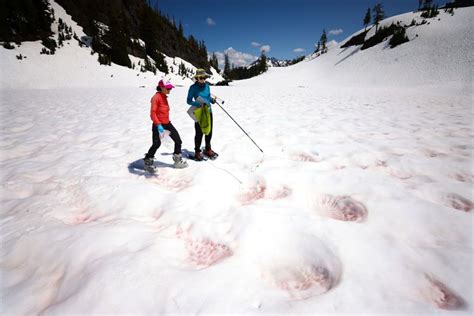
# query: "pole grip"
{"points": [[216, 97]]}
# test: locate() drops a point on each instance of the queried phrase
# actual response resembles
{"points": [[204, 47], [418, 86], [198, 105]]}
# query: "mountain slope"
{"points": [[74, 66], [135, 19], [439, 53]]}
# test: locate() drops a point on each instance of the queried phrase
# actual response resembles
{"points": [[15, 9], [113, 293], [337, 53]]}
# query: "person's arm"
{"points": [[211, 98], [154, 107], [189, 100]]}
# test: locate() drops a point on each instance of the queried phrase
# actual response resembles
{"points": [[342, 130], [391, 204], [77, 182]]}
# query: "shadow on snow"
{"points": [[138, 167]]}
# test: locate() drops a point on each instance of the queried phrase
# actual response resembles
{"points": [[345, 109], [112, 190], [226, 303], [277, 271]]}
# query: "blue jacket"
{"points": [[203, 91]]}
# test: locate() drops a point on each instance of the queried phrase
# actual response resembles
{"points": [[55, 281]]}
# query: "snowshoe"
{"points": [[148, 165], [211, 154], [179, 162], [197, 156]]}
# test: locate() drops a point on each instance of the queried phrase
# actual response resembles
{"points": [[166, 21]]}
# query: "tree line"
{"points": [[130, 20], [237, 73], [114, 27]]}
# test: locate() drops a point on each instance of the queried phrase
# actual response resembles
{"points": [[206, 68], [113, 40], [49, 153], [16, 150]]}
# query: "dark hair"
{"points": [[158, 88]]}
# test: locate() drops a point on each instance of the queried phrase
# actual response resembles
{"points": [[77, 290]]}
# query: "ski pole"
{"points": [[238, 125]]}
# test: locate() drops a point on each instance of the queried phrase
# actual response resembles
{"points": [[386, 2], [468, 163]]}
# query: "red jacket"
{"points": [[160, 110]]}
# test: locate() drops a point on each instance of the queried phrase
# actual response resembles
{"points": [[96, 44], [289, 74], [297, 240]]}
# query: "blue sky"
{"points": [[285, 29]]}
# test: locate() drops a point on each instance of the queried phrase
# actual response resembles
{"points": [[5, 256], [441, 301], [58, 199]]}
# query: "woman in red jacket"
{"points": [[159, 114]]}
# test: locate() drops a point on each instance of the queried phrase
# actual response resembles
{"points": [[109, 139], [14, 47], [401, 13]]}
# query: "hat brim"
{"points": [[205, 75], [168, 86]]}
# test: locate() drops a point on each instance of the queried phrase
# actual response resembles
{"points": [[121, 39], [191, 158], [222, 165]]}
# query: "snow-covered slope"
{"points": [[438, 54], [362, 201], [73, 66]]}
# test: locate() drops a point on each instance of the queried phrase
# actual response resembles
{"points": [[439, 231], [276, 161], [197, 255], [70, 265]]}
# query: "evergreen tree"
{"points": [[427, 4], [192, 41], [379, 15], [214, 62], [399, 37], [318, 47], [323, 41], [104, 59], [182, 71], [180, 30], [367, 19], [226, 66], [118, 42], [262, 64], [50, 46], [429, 10]]}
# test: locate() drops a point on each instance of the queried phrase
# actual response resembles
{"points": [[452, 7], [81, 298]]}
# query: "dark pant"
{"points": [[157, 141], [198, 136]]}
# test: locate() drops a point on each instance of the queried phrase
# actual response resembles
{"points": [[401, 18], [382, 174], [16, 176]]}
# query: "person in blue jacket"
{"points": [[199, 93]]}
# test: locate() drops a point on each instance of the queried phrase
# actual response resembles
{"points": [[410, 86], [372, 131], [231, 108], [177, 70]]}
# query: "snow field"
{"points": [[341, 181]]}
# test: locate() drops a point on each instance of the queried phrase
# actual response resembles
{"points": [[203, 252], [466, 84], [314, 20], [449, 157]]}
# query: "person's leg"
{"points": [[175, 137], [156, 143], [209, 136], [177, 157], [197, 137]]}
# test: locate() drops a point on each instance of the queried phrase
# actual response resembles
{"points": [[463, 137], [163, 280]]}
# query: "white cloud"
{"points": [[265, 48], [210, 22], [335, 32], [255, 44], [238, 59], [299, 50]]}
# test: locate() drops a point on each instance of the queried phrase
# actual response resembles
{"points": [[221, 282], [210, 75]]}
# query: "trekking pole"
{"points": [[237, 124]]}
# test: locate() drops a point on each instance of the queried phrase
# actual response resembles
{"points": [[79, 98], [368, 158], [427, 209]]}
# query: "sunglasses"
{"points": [[199, 78]]}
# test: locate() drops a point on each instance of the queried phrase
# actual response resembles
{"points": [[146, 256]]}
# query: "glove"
{"points": [[160, 129]]}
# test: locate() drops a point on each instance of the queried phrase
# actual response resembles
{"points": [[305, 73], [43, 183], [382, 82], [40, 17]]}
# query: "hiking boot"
{"points": [[211, 154], [179, 162], [198, 156], [149, 164]]}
